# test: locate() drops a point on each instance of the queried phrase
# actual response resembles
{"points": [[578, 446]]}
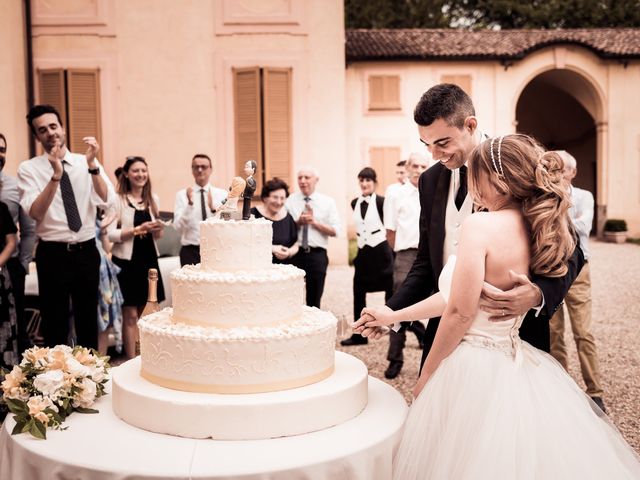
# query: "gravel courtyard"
{"points": [[615, 271]]}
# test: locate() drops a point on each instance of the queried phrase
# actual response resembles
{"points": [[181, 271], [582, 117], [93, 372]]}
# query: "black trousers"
{"points": [[68, 273], [189, 255], [314, 263], [17, 275]]}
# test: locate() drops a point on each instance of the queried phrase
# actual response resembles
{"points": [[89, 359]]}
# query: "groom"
{"points": [[448, 127]]}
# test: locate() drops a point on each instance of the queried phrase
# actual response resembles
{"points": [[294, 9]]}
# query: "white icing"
{"points": [[332, 401], [235, 245], [225, 299], [249, 357]]}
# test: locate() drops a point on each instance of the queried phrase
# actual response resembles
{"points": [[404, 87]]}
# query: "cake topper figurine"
{"points": [[249, 170], [229, 210]]}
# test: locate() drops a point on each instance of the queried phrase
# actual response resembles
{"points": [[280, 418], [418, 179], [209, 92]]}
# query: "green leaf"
{"points": [[19, 428], [86, 410], [27, 426], [38, 430], [17, 406]]}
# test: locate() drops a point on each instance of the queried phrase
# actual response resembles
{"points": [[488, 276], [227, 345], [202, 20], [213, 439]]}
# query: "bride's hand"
{"points": [[378, 316]]}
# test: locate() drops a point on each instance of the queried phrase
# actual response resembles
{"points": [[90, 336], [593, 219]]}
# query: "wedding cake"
{"points": [[238, 356]]}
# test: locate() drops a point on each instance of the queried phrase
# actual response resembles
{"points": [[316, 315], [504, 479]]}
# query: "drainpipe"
{"points": [[29, 67]]}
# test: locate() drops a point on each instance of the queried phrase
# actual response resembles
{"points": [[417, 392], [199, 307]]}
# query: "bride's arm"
{"points": [[381, 316], [462, 306]]}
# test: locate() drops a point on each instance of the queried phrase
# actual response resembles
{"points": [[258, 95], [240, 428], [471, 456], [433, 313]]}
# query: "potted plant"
{"points": [[615, 230]]}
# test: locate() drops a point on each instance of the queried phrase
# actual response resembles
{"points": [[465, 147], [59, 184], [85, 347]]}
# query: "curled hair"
{"points": [[124, 185], [533, 178], [446, 101], [272, 185]]}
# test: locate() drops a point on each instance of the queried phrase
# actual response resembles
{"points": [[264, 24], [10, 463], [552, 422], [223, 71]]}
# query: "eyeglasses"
{"points": [[199, 167]]}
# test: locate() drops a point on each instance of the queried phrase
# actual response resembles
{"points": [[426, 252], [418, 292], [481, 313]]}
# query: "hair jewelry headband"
{"points": [[499, 171]]}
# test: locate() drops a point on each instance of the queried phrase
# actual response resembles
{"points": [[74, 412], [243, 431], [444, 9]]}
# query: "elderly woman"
{"points": [[133, 233], [285, 232]]}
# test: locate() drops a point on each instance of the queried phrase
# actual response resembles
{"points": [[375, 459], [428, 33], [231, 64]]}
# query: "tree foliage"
{"points": [[499, 14]]}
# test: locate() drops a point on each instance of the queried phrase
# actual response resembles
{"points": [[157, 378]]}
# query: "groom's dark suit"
{"points": [[422, 280]]}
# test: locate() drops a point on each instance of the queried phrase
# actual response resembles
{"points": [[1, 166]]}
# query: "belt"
{"points": [[70, 246], [312, 249]]}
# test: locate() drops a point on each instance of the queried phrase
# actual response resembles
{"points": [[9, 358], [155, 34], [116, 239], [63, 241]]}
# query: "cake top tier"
{"points": [[230, 245]]}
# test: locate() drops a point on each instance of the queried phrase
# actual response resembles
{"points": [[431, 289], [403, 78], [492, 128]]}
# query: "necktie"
{"points": [[203, 206], [462, 189], [69, 201], [305, 228], [363, 206]]}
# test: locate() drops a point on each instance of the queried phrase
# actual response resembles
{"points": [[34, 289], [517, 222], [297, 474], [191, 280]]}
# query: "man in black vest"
{"points": [[448, 127]]}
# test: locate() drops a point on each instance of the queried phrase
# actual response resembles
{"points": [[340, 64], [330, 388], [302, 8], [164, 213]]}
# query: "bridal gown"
{"points": [[498, 408]]}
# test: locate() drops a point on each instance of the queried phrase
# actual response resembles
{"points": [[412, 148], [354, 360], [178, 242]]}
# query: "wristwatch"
{"points": [[94, 171]]}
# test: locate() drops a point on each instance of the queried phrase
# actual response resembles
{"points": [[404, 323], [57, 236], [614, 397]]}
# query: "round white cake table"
{"points": [[103, 447]]}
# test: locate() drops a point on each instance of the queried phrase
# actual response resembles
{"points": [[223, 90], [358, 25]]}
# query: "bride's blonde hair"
{"points": [[518, 166]]}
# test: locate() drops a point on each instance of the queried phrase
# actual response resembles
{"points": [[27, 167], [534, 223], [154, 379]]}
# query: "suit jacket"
{"points": [[422, 280]]}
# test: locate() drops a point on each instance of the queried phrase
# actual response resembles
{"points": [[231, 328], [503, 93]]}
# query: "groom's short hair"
{"points": [[446, 101]]}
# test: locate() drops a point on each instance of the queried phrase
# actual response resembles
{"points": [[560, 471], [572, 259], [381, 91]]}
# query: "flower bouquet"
{"points": [[50, 384]]}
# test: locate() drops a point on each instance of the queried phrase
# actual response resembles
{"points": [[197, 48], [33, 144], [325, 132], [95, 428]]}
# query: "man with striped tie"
{"points": [[61, 191]]}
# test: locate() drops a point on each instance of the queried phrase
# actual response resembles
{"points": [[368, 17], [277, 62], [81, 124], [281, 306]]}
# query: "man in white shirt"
{"points": [[61, 191], [18, 264], [402, 222], [401, 178], [578, 299], [193, 205], [317, 218]]}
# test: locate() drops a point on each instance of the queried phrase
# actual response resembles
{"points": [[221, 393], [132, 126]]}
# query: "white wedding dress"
{"points": [[498, 408]]}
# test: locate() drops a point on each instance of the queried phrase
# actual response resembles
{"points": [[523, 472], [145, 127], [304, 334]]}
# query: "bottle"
{"points": [[152, 305]]}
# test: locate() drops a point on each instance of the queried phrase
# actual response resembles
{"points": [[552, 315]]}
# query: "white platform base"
{"points": [[324, 404], [103, 447]]}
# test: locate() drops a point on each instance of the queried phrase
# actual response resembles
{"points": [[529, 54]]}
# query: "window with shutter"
{"points": [[277, 123], [262, 101], [52, 90], [463, 81], [383, 160], [83, 94], [384, 92]]}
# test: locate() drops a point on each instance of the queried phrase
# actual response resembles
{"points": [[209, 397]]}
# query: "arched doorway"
{"points": [[560, 109]]}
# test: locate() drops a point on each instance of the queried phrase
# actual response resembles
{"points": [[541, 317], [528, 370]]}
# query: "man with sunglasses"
{"points": [[18, 264], [193, 205]]}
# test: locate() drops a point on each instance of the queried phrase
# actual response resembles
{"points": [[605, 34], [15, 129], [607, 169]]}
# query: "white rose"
{"points": [[75, 368], [97, 374], [49, 383], [87, 395]]}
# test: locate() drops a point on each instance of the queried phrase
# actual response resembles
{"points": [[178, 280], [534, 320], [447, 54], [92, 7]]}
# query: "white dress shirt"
{"points": [[581, 213], [33, 177], [10, 195], [324, 211], [187, 218], [403, 216], [392, 189]]}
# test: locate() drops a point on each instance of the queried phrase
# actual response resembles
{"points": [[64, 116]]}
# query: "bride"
{"points": [[488, 405]]}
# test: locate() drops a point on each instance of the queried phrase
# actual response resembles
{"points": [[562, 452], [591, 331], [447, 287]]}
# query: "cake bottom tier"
{"points": [[148, 406]]}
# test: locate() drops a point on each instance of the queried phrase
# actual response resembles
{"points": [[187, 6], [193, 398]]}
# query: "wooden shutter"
{"points": [[277, 123], [383, 160], [463, 81], [52, 90], [248, 118], [384, 92], [83, 94]]}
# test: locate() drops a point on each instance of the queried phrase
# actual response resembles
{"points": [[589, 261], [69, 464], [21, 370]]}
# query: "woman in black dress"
{"points": [[135, 231], [285, 232], [8, 325]]}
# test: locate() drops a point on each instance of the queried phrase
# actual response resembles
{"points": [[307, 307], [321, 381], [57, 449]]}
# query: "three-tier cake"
{"points": [[238, 356]]}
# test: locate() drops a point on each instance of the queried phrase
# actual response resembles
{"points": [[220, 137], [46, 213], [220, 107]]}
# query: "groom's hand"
{"points": [[502, 306], [369, 331]]}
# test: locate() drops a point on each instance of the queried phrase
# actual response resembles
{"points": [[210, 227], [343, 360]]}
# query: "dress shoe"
{"points": [[598, 401], [393, 370], [354, 340]]}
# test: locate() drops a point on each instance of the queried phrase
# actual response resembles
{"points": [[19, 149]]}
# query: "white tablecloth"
{"points": [[102, 447]]}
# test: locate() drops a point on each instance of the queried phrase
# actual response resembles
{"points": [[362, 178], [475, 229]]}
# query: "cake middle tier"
{"points": [[265, 297]]}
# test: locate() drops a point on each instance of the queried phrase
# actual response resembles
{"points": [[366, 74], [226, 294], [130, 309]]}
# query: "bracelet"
{"points": [[54, 179]]}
